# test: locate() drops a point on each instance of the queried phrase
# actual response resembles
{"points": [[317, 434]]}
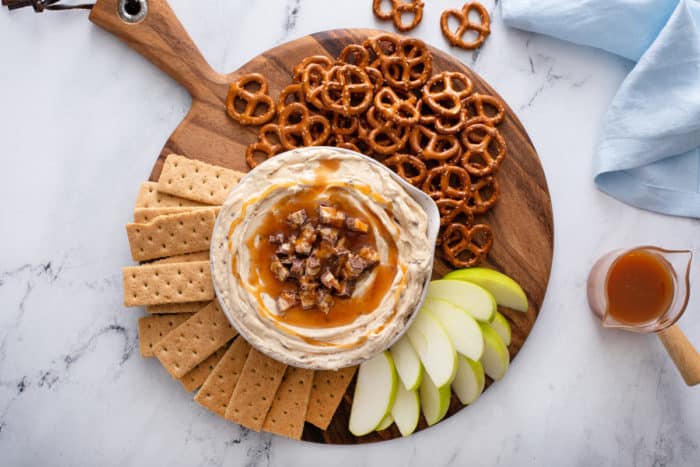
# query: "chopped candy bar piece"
{"points": [[285, 249], [324, 301], [354, 267], [329, 235], [313, 266], [308, 298], [370, 255], [297, 218], [287, 300], [298, 266], [329, 280], [278, 269], [356, 225], [331, 216]]}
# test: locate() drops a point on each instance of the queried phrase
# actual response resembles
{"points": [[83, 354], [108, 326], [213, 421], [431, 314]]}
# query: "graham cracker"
{"points": [[196, 180], [154, 328], [174, 234], [200, 256], [150, 197], [327, 390], [196, 376], [216, 391], [144, 215], [167, 283], [171, 308], [288, 411], [255, 391], [194, 340]]}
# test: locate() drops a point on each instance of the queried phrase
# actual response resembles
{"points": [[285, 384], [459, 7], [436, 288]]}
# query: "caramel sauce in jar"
{"points": [[639, 287]]}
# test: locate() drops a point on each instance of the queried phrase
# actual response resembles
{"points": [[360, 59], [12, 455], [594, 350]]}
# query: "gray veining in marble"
{"points": [[81, 120]]}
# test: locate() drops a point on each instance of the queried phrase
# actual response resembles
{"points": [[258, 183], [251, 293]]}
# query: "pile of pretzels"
{"points": [[381, 98]]}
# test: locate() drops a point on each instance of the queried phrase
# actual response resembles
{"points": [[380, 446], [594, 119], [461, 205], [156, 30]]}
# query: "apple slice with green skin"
{"points": [[375, 391], [407, 363], [434, 347], [496, 357], [469, 382], [460, 326], [501, 326], [434, 400], [387, 420], [505, 290], [406, 410], [470, 297]]}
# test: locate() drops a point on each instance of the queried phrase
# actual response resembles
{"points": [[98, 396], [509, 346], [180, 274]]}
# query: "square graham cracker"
{"points": [[288, 412], [174, 234], [196, 180], [197, 375], [167, 283], [255, 391], [195, 340], [154, 328], [327, 391], [216, 391], [149, 197]]}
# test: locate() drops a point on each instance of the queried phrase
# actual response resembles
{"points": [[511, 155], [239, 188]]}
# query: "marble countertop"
{"points": [[81, 119]]}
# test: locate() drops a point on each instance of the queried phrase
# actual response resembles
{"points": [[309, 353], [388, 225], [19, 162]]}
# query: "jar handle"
{"points": [[682, 352]]}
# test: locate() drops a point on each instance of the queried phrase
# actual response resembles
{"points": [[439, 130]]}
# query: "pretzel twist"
{"points": [[252, 100], [447, 181], [341, 87], [444, 92], [297, 127], [433, 146], [484, 194], [409, 67], [456, 38], [466, 247], [401, 110], [268, 145], [484, 151], [476, 106]]}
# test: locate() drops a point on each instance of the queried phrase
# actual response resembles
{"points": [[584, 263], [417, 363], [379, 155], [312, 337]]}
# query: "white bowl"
{"points": [[425, 202]]}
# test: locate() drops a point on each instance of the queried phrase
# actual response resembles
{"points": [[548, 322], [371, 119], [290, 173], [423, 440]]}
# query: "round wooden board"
{"points": [[522, 220]]}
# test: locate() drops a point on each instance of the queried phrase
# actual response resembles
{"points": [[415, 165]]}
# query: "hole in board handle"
{"points": [[133, 11]]}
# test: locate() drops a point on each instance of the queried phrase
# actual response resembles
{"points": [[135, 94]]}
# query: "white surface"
{"points": [[81, 120]]}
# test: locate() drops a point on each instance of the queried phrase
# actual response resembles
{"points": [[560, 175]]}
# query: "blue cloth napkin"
{"points": [[649, 152]]}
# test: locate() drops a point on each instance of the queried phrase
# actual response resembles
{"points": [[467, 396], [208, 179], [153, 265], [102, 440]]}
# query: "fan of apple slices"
{"points": [[457, 339]]}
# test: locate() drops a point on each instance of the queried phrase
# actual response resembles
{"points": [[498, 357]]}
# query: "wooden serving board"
{"points": [[522, 220]]}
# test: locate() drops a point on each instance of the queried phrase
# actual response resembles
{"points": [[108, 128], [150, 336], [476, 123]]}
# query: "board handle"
{"points": [[683, 354], [151, 28]]}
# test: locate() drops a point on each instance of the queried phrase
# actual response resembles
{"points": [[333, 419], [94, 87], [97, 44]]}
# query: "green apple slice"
{"points": [[434, 347], [469, 381], [406, 410], [407, 363], [496, 357], [505, 290], [375, 390], [434, 400], [501, 326], [460, 326], [387, 420], [472, 298]]}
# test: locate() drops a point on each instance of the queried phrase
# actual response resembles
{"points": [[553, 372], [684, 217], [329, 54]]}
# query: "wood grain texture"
{"points": [[522, 220]]}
